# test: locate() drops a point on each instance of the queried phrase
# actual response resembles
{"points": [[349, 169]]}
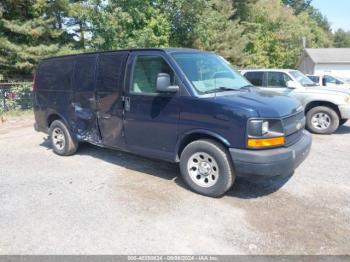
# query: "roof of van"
{"points": [[167, 50]]}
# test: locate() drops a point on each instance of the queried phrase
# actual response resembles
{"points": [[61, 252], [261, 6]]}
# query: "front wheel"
{"points": [[322, 120], [206, 167]]}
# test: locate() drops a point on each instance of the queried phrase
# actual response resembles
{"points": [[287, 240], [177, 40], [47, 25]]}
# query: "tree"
{"points": [[242, 9], [275, 35], [125, 24], [341, 39], [298, 5], [217, 32], [28, 32], [77, 21], [183, 17]]}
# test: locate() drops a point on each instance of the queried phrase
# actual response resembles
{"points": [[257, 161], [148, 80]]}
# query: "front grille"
{"points": [[293, 138], [293, 126]]}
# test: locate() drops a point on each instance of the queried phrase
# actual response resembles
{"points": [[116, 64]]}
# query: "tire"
{"points": [[322, 120], [343, 121], [215, 163], [62, 141]]}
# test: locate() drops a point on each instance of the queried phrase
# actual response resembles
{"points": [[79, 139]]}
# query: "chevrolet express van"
{"points": [[177, 105]]}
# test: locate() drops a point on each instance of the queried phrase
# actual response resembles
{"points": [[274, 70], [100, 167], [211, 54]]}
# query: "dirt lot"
{"points": [[101, 201]]}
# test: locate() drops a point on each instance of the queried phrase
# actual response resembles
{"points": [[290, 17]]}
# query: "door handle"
{"points": [[106, 116], [127, 103], [103, 115]]}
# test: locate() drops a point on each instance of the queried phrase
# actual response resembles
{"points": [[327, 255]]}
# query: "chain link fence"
{"points": [[16, 96]]}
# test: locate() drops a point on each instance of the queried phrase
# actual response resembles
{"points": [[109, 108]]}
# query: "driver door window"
{"points": [[145, 73]]}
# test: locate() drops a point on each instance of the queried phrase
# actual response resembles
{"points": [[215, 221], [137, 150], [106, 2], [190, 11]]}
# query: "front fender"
{"points": [[204, 133], [307, 98]]}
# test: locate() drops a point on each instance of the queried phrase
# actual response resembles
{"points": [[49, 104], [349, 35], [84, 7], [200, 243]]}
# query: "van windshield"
{"points": [[210, 73]]}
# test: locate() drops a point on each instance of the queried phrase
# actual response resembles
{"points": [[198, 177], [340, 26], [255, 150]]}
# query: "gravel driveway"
{"points": [[101, 201]]}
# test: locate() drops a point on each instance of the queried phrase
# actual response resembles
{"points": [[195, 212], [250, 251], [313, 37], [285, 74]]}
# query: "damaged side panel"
{"points": [[84, 120], [96, 111], [109, 92]]}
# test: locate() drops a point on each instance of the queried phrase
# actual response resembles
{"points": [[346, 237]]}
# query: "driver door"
{"points": [[151, 118]]}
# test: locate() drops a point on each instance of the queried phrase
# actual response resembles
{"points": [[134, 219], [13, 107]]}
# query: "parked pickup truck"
{"points": [[177, 105], [326, 108], [329, 81]]}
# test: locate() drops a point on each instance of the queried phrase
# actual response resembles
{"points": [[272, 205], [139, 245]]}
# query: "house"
{"points": [[332, 61]]}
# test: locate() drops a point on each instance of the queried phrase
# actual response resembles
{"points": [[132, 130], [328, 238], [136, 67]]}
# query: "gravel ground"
{"points": [[101, 201]]}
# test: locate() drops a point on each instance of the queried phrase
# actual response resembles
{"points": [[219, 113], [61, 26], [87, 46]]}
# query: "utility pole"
{"points": [[304, 42]]}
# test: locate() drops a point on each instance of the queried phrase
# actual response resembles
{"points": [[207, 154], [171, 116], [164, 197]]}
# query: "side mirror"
{"points": [[164, 85], [291, 84]]}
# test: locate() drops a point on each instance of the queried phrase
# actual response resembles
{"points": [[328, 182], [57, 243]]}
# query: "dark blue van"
{"points": [[177, 105]]}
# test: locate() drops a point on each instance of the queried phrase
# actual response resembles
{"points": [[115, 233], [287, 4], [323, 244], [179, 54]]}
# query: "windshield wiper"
{"points": [[221, 89], [247, 87]]}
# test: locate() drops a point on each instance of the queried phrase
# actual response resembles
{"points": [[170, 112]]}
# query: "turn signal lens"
{"points": [[265, 142]]}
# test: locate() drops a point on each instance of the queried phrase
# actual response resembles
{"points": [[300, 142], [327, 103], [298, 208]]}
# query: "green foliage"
{"points": [[16, 97], [341, 39], [298, 5], [217, 32], [242, 8], [185, 18], [127, 24], [276, 34], [29, 30], [254, 33]]}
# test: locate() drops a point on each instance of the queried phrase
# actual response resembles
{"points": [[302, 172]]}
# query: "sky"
{"points": [[336, 11]]}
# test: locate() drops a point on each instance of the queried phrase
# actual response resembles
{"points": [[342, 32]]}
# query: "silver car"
{"points": [[326, 108]]}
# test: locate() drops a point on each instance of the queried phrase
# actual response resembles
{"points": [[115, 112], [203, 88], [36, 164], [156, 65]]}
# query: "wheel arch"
{"points": [[316, 103], [197, 135], [52, 116]]}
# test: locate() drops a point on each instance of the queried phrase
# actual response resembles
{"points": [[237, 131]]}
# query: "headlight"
{"points": [[265, 133], [265, 127]]}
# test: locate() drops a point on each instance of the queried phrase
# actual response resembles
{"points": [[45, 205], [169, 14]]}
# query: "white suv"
{"points": [[326, 108]]}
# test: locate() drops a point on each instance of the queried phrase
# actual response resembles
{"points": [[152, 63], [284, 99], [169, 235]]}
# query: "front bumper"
{"points": [[271, 162], [344, 111]]}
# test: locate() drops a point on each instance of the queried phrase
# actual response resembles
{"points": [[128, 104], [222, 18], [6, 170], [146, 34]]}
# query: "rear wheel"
{"points": [[62, 141], [206, 167], [322, 120]]}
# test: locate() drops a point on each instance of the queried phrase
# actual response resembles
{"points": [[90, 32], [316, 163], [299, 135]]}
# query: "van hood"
{"points": [[264, 103]]}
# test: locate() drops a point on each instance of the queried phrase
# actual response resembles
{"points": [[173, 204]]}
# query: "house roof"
{"points": [[329, 55]]}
